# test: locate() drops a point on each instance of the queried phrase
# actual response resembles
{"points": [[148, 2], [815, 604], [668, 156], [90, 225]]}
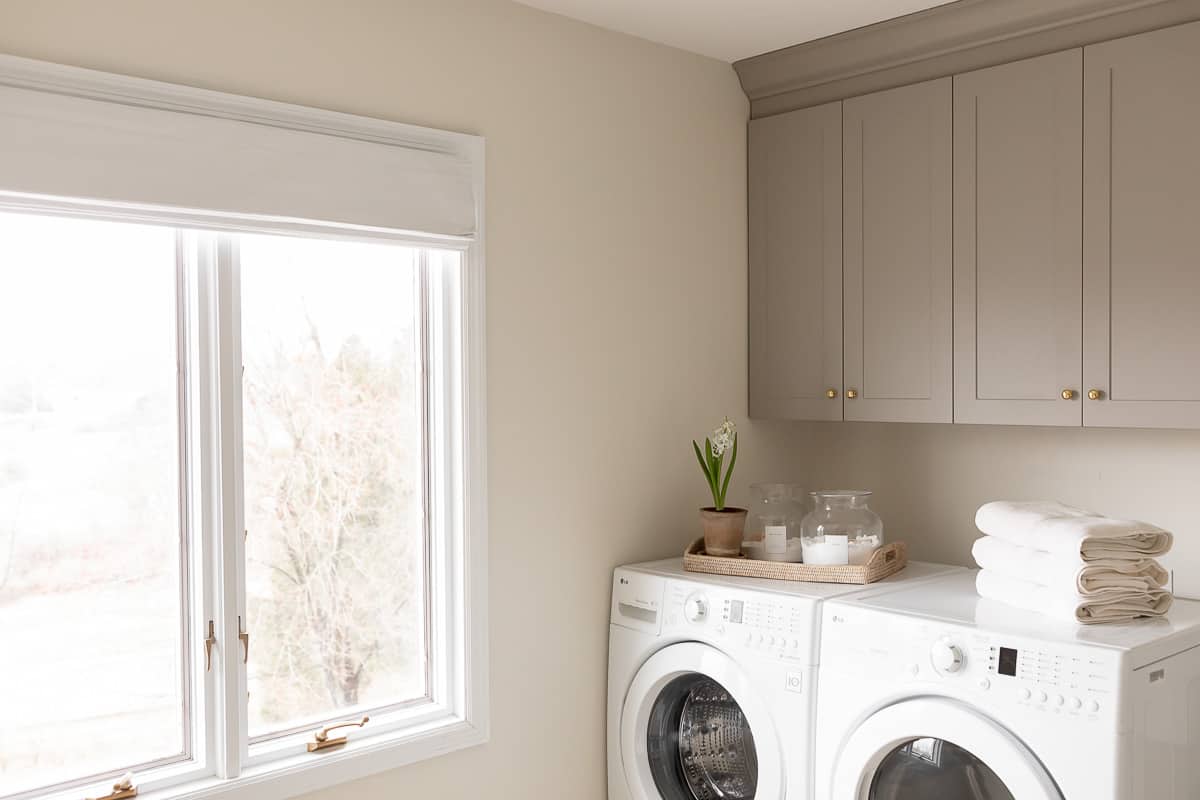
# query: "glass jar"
{"points": [[841, 529], [773, 529]]}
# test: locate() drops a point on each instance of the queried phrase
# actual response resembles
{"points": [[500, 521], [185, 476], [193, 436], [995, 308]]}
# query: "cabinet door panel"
{"points": [[1018, 263], [1141, 231], [897, 254], [795, 215]]}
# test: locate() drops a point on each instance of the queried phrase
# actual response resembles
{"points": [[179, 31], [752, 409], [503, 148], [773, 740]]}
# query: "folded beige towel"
{"points": [[1066, 531], [1065, 572], [1103, 605]]}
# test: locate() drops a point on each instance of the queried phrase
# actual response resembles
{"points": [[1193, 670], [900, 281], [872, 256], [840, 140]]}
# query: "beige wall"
{"points": [[616, 299], [929, 479]]}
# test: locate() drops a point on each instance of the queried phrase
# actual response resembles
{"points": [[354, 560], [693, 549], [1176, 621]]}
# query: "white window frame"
{"points": [[224, 764]]}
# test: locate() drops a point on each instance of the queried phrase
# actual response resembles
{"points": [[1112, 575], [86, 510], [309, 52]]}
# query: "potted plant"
{"points": [[723, 527]]}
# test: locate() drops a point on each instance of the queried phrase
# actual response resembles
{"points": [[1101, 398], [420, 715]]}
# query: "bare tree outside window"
{"points": [[334, 479]]}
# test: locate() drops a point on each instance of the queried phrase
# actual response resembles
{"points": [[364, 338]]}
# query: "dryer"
{"points": [[934, 692], [711, 682]]}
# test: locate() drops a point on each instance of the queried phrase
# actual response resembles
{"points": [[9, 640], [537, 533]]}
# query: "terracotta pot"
{"points": [[723, 530]]}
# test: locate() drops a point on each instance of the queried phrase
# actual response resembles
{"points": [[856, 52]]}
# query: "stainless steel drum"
{"points": [[699, 743]]}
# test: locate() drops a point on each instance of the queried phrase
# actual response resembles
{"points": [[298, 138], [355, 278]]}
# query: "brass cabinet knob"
{"points": [[832, 393], [1068, 394], [851, 393], [1095, 394]]}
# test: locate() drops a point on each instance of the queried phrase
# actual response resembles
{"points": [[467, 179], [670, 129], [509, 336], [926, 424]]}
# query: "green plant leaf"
{"points": [[729, 474], [703, 465], [713, 473], [718, 500]]}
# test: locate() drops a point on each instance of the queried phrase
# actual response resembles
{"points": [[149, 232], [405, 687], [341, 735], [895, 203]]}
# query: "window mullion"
{"points": [[230, 526], [442, 345], [196, 325]]}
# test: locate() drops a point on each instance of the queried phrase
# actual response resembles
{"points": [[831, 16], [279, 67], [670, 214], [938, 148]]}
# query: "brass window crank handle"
{"points": [[245, 637], [322, 740], [208, 646], [121, 789]]}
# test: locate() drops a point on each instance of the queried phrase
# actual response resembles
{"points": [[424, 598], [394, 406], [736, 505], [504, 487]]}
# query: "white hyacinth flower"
{"points": [[722, 438]]}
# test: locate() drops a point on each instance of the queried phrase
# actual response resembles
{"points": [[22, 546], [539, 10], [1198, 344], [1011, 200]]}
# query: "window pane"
{"points": [[92, 665], [334, 486]]}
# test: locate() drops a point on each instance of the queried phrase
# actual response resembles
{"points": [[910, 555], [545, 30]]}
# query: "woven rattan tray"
{"points": [[886, 561]]}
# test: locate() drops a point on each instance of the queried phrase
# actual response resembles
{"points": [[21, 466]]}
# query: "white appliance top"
{"points": [[673, 568], [952, 598], [772, 619]]}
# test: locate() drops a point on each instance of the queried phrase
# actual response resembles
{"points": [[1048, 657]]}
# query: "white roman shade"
{"points": [[73, 133]]}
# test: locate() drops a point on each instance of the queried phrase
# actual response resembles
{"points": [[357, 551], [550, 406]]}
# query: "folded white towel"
{"points": [[1104, 605], [1065, 572], [1061, 529]]}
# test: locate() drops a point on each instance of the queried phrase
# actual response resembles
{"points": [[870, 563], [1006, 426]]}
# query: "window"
{"points": [[333, 441], [242, 461], [252, 437], [93, 579]]}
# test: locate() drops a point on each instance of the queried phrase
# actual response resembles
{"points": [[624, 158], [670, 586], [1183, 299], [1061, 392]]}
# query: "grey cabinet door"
{"points": [[795, 283], [1018, 258], [898, 263], [1141, 242]]}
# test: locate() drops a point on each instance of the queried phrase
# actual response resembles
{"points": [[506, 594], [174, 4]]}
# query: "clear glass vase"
{"points": [[841, 528], [773, 529]]}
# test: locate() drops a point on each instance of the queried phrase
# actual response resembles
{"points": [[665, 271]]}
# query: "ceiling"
{"points": [[730, 30]]}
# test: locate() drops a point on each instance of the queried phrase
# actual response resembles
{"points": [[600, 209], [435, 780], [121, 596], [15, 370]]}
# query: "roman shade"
{"points": [[141, 142]]}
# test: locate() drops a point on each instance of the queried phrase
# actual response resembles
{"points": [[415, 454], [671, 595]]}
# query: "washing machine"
{"points": [[711, 682], [933, 692]]}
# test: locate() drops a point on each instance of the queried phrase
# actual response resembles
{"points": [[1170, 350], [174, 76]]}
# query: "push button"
{"points": [[794, 682]]}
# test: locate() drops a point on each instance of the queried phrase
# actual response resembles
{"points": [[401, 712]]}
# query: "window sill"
{"points": [[296, 775]]}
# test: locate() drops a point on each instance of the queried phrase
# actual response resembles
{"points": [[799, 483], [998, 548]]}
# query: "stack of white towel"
{"points": [[1071, 564]]}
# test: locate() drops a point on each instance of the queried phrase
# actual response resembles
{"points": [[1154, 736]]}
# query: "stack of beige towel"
{"points": [[1071, 564]]}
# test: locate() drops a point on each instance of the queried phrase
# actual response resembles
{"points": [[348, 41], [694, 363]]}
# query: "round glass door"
{"points": [[925, 768], [699, 743], [935, 747]]}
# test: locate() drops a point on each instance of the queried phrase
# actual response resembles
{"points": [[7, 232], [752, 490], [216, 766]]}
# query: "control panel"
{"points": [[1076, 681], [771, 625], [991, 669]]}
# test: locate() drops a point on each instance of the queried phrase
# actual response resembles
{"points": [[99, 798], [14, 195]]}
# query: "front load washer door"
{"points": [[694, 727], [936, 748]]}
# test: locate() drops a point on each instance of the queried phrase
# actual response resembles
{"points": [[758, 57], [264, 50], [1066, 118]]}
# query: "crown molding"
{"points": [[945, 40]]}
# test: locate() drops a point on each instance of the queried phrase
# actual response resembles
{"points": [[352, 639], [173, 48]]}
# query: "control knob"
{"points": [[695, 608], [946, 657]]}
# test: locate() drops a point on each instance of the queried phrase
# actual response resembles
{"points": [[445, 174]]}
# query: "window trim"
{"points": [[463, 720]]}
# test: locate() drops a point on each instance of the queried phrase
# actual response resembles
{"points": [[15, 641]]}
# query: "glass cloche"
{"points": [[773, 528], [841, 528]]}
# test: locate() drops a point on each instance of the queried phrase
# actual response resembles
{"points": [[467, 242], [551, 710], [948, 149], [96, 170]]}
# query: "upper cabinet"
{"points": [[1142, 230], [897, 259], [1018, 261], [795, 197], [1016, 245]]}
